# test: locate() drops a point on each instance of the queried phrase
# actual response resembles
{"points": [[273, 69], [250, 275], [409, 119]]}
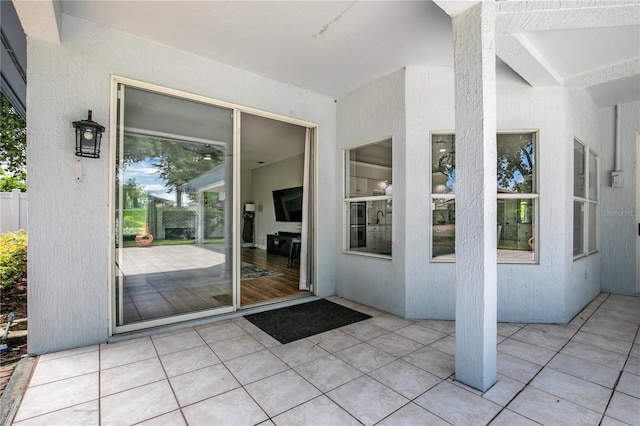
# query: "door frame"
{"points": [[637, 214], [116, 80]]}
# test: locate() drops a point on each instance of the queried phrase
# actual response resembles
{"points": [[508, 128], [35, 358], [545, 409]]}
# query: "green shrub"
{"points": [[13, 257]]}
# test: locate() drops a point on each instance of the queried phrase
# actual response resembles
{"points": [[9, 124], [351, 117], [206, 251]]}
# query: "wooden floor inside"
{"points": [[165, 281], [263, 289]]}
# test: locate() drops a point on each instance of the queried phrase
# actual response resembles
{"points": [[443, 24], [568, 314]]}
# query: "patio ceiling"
{"points": [[335, 47]]}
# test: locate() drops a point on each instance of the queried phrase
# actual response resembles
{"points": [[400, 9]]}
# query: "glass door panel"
{"points": [[173, 218]]}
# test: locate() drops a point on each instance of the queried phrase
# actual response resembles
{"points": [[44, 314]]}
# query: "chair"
{"points": [[294, 252]]}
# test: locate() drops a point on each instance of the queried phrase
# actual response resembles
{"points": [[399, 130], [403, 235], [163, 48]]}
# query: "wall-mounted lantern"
{"points": [[88, 135]]}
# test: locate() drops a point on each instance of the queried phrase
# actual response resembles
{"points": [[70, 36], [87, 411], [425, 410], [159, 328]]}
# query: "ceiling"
{"points": [[333, 47], [592, 45], [329, 47], [266, 141]]}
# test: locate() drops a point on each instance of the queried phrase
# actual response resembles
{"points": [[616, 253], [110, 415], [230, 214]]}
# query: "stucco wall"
{"points": [[584, 283], [69, 218], [430, 108], [618, 215], [535, 293], [531, 293], [373, 113]]}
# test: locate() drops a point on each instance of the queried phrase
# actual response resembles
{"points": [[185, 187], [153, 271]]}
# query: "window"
{"points": [[368, 199], [516, 197], [585, 200]]}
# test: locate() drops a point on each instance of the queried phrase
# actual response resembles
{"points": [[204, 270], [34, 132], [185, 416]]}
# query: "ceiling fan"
{"points": [[206, 155]]}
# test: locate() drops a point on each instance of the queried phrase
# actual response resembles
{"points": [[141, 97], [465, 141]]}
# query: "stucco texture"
{"points": [[69, 198]]}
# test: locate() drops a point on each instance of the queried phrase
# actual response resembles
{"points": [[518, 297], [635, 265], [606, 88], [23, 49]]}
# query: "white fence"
{"points": [[13, 211]]}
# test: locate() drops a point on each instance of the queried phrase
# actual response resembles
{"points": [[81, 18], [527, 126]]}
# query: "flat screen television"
{"points": [[288, 204]]}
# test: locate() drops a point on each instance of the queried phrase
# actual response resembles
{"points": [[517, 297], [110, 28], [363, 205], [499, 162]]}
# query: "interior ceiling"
{"points": [[379, 153], [155, 114], [266, 141]]}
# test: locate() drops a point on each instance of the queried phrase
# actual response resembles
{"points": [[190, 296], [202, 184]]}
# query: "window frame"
{"points": [[534, 196], [347, 199], [587, 201]]}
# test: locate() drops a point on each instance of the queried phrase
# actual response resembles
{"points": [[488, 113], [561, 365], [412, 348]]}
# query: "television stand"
{"points": [[280, 243]]}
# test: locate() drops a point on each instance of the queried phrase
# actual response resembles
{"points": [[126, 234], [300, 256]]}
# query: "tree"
{"points": [[8, 183], [177, 162], [515, 165], [135, 195], [13, 146]]}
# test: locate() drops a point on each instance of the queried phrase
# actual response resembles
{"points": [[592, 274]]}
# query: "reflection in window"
{"points": [[578, 227], [368, 198], [515, 226], [517, 196], [443, 157], [579, 178], [444, 227], [173, 244], [515, 165], [585, 200]]}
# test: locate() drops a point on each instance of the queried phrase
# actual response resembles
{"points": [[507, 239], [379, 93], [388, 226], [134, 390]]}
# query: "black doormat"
{"points": [[304, 320]]}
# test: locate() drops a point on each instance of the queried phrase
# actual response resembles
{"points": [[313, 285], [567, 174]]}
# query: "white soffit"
{"points": [[40, 18], [330, 47], [593, 46], [574, 52], [619, 91]]}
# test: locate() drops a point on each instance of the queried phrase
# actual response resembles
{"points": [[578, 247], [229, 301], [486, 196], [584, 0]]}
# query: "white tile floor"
{"points": [[386, 370]]}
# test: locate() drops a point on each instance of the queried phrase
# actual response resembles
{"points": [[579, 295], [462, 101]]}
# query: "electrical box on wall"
{"points": [[616, 179]]}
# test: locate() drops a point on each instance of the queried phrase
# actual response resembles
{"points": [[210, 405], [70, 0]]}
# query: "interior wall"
{"points": [[69, 210], [246, 195], [369, 114], [618, 216], [284, 174], [526, 292]]}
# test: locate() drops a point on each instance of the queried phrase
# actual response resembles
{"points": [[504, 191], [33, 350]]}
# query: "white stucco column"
{"points": [[476, 271]]}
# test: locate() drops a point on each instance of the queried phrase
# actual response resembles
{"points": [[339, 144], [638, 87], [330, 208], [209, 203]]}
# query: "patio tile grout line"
{"points": [[99, 385], [396, 358], [166, 377], [548, 362], [615, 386]]}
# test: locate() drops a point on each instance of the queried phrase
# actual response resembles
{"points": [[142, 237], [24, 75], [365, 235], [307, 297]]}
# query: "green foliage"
{"points": [[13, 143], [8, 183], [516, 158], [13, 257], [176, 162], [135, 195], [133, 221]]}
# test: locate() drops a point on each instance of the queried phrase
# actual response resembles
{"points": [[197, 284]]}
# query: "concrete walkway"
{"points": [[386, 370]]}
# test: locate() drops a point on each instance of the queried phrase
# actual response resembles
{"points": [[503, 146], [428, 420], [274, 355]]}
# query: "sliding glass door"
{"points": [[173, 209]]}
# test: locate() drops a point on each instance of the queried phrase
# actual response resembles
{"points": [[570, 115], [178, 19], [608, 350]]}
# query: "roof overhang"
{"points": [[13, 58]]}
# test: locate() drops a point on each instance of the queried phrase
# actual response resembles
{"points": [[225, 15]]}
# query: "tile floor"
{"points": [[386, 370]]}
